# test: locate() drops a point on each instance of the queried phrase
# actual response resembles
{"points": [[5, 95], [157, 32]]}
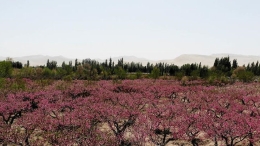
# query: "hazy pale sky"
{"points": [[153, 29]]}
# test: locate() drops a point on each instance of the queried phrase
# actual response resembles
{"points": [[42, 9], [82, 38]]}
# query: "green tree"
{"points": [[138, 74], [28, 63], [173, 70], [104, 74], [195, 74], [75, 65], [47, 73], [234, 64], [120, 72], [110, 63], [5, 69], [223, 64], [51, 65], [68, 69], [204, 72], [60, 73], [155, 73]]}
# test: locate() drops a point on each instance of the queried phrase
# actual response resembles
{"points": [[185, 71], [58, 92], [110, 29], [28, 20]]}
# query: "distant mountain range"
{"points": [[208, 60]]}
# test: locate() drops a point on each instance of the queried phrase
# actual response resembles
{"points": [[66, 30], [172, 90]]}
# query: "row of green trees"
{"points": [[92, 69]]}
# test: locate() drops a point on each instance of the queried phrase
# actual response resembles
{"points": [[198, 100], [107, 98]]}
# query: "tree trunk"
{"points": [[250, 137], [216, 141], [125, 143], [194, 142], [27, 141]]}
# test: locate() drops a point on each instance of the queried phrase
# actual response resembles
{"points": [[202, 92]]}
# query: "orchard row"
{"points": [[130, 112]]}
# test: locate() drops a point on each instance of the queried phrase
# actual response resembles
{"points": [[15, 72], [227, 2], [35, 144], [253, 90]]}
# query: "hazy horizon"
{"points": [[140, 57], [150, 29]]}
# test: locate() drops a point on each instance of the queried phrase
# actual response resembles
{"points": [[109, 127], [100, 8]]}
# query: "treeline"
{"points": [[223, 69]]}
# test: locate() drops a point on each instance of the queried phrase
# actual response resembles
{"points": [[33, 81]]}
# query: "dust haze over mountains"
{"points": [[208, 60]]}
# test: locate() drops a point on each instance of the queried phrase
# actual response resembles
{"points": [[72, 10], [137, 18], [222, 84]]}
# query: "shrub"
{"points": [[67, 78], [5, 69], [138, 74], [184, 80], [47, 73], [242, 74], [155, 73], [120, 72], [2, 82], [245, 76]]}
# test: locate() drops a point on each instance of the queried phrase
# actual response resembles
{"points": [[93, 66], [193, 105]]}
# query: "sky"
{"points": [[152, 29]]}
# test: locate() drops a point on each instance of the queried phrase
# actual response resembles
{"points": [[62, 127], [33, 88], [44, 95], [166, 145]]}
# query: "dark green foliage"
{"points": [[187, 69], [76, 65], [234, 64], [191, 69], [17, 64], [161, 67], [120, 63], [51, 65], [173, 69], [110, 63], [134, 67], [224, 64], [254, 68], [204, 72]]}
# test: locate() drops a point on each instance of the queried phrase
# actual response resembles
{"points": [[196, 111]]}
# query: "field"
{"points": [[128, 113]]}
